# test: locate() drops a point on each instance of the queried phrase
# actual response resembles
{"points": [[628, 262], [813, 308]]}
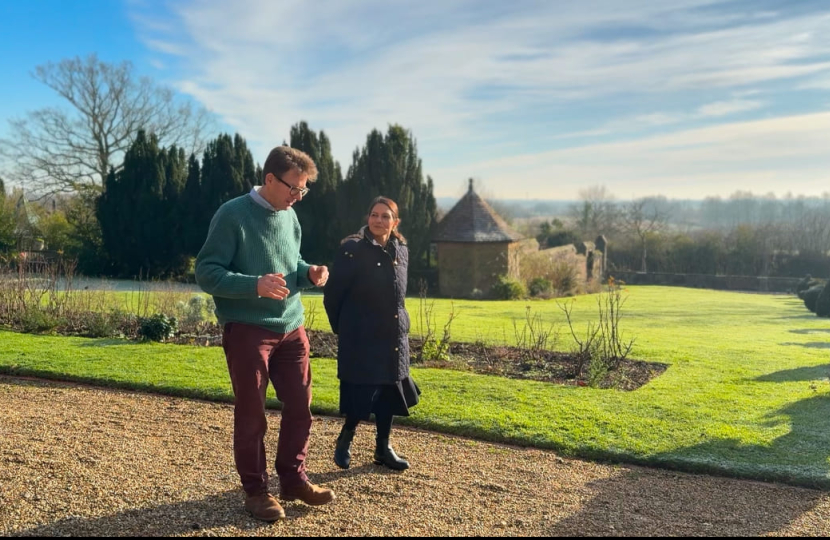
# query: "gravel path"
{"points": [[85, 461]]}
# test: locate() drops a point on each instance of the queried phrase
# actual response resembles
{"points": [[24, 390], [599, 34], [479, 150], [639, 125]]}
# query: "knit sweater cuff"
{"points": [[302, 276], [238, 286]]}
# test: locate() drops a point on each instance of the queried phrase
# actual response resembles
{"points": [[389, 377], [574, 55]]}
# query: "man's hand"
{"points": [[272, 286], [318, 275]]}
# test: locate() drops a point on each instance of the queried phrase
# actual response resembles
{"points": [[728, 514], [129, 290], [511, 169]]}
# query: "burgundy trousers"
{"points": [[255, 356]]}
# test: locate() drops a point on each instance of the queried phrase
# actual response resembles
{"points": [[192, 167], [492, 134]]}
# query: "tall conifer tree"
{"points": [[318, 210]]}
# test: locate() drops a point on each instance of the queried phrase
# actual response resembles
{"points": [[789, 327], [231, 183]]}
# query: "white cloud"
{"points": [[723, 108], [464, 74], [760, 156]]}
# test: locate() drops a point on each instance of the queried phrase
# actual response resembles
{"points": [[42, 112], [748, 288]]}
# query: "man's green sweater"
{"points": [[246, 241]]}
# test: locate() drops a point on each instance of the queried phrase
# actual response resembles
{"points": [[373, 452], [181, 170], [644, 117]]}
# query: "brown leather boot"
{"points": [[308, 493], [264, 506]]}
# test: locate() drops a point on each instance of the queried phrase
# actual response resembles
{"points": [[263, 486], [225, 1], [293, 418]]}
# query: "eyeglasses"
{"points": [[293, 190]]}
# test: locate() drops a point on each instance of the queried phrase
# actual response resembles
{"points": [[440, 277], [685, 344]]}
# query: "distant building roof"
{"points": [[473, 220]]}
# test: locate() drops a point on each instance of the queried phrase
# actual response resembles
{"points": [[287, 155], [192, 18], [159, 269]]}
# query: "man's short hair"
{"points": [[284, 158]]}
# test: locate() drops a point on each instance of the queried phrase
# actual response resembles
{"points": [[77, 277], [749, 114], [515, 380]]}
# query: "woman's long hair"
{"points": [[393, 206]]}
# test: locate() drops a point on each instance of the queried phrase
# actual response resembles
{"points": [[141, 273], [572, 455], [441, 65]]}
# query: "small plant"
{"points": [[95, 324], [603, 349], [586, 347], [508, 288], [310, 315], [564, 279], [613, 348], [534, 337], [158, 327], [540, 286], [433, 348], [195, 310], [37, 321], [597, 371]]}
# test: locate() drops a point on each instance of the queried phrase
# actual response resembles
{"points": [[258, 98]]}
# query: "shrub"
{"points": [[127, 325], [194, 311], [557, 238], [36, 321], [158, 327], [823, 302], [97, 325], [804, 284], [508, 288], [812, 283], [435, 351], [810, 297], [564, 278], [540, 286]]}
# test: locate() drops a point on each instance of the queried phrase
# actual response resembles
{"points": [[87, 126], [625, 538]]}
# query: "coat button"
{"points": [[396, 316], [378, 264], [396, 348]]}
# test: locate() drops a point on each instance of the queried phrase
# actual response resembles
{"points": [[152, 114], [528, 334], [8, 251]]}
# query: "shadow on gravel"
{"points": [[184, 518], [638, 503]]}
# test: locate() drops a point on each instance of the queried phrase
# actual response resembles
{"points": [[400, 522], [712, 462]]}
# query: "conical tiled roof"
{"points": [[473, 220]]}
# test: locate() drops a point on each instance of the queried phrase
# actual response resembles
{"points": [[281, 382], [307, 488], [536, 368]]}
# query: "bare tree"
{"points": [[596, 214], [643, 217], [54, 150]]}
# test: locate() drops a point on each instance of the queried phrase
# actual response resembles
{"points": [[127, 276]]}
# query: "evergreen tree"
{"points": [[228, 171], [243, 162], [390, 166], [172, 252], [140, 223], [318, 209], [190, 205]]}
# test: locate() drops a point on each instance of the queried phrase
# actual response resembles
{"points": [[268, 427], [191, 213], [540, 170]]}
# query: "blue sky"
{"points": [[534, 99]]}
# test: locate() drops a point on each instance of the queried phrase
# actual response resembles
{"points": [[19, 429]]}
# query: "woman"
{"points": [[364, 300]]}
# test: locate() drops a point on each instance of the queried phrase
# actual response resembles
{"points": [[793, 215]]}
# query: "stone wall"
{"points": [[465, 267]]}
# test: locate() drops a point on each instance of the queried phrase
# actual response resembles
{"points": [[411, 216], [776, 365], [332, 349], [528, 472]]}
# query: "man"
{"points": [[251, 264]]}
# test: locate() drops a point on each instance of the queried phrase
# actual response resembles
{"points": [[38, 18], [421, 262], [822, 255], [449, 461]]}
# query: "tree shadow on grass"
{"points": [[811, 345], [813, 373], [638, 503], [799, 457], [108, 342], [807, 331], [790, 301]]}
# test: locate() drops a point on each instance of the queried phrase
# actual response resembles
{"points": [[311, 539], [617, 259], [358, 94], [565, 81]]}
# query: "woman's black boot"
{"points": [[384, 455], [343, 450]]}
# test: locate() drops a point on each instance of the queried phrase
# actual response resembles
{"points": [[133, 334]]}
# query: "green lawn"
{"points": [[746, 393]]}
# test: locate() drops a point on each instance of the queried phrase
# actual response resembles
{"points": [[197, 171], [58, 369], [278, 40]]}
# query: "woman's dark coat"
{"points": [[364, 300]]}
